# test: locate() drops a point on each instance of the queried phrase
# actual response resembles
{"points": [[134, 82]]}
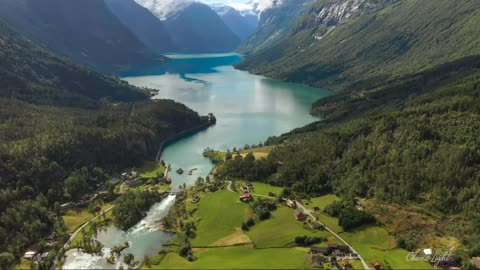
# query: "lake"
{"points": [[248, 108]]}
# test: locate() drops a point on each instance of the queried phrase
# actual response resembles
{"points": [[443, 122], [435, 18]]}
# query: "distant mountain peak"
{"points": [[164, 9]]}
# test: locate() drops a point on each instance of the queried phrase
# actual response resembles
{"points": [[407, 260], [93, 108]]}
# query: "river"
{"points": [[248, 108]]}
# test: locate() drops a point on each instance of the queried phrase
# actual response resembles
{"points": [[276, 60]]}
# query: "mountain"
{"points": [[277, 19], [354, 44], [33, 74], [146, 26], [243, 24], [84, 31], [194, 27]]}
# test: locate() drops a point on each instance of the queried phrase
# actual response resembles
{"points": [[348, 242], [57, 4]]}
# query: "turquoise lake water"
{"points": [[248, 108]]}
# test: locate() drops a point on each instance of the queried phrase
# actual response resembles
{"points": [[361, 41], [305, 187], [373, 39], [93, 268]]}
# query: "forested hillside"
{"points": [[85, 31], [35, 75], [60, 135], [412, 142], [405, 37]]}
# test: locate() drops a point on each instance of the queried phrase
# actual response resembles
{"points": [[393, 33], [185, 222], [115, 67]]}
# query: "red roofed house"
{"points": [[168, 181], [246, 197], [299, 215]]}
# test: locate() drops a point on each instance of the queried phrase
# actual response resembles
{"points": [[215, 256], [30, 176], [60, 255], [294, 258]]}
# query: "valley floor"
{"points": [[220, 243]]}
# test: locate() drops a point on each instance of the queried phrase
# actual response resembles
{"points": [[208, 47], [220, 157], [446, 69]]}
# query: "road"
{"points": [[309, 213], [74, 234]]}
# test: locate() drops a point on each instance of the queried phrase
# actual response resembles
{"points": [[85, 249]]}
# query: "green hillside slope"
{"points": [[406, 37]]}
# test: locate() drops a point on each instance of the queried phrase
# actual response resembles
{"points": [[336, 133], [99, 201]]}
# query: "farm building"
{"points": [[319, 250], [299, 215], [291, 204], [246, 197], [318, 260]]}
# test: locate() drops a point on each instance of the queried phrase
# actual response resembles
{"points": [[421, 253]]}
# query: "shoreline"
{"points": [[178, 136]]}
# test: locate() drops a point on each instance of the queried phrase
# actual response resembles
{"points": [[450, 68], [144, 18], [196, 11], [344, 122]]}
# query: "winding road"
{"points": [[309, 213]]}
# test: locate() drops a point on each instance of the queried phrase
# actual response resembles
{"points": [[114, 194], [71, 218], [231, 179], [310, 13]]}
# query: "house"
{"points": [[318, 260], [114, 180], [135, 182], [168, 181], [52, 239], [43, 257], [314, 225], [245, 189], [31, 252], [291, 204], [134, 174], [476, 262], [299, 215], [377, 266], [319, 250], [246, 197], [124, 175], [195, 199], [428, 251], [347, 265], [338, 250], [29, 255], [66, 206]]}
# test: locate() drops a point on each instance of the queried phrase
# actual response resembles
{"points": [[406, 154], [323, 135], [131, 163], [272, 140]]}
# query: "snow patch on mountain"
{"points": [[164, 9]]}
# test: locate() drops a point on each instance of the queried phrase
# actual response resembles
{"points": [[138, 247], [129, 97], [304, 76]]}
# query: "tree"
{"points": [[57, 209], [76, 184], [6, 260]]}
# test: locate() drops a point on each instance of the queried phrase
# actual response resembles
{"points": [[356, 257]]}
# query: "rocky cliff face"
{"points": [[333, 12], [276, 20]]}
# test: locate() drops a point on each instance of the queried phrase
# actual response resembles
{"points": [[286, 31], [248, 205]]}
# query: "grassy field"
{"points": [[375, 244], [322, 201], [238, 258], [280, 230], [74, 218], [327, 220], [151, 169], [219, 215], [23, 265], [259, 152], [79, 237], [264, 189]]}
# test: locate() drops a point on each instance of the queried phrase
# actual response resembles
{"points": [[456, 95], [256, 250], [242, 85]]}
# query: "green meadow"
{"points": [[238, 258]]}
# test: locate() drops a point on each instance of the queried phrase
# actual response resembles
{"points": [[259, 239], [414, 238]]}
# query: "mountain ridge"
{"points": [[84, 31]]}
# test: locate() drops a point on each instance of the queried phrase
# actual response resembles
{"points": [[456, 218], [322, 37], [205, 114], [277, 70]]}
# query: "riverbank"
{"points": [[179, 136]]}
